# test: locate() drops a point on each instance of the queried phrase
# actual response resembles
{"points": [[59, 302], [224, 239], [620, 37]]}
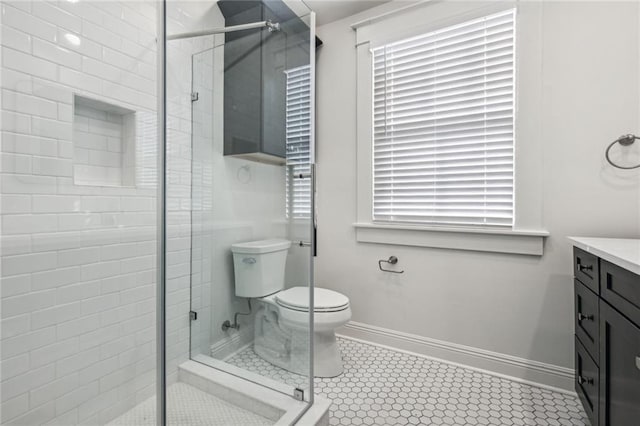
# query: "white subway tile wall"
{"points": [[79, 261]]}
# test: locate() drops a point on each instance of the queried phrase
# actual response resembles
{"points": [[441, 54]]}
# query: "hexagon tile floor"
{"points": [[189, 406], [382, 386]]}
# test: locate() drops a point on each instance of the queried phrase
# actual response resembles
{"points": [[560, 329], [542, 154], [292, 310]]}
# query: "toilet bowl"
{"points": [[331, 311], [282, 328]]}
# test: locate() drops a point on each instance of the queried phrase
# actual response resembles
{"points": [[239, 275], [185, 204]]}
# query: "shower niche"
{"points": [[103, 143], [255, 78]]}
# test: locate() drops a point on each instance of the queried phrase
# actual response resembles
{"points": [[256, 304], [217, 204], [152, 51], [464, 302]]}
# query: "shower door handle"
{"points": [[314, 216], [315, 244]]}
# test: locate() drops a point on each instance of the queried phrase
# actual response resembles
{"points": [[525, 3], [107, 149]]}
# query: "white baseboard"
{"points": [[523, 370]]}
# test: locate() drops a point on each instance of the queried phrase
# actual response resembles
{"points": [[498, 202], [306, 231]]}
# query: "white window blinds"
{"points": [[443, 118], [298, 128]]}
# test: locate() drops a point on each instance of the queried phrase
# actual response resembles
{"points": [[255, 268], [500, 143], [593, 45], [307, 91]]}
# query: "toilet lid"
{"points": [[324, 300]]}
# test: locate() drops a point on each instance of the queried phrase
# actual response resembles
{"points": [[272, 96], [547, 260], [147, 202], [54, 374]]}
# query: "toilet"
{"points": [[282, 315]]}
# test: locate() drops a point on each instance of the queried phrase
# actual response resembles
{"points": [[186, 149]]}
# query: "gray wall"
{"points": [[515, 305]]}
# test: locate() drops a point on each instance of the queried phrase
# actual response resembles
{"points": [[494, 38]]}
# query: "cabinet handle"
{"points": [[584, 317], [585, 267], [583, 380], [638, 362]]}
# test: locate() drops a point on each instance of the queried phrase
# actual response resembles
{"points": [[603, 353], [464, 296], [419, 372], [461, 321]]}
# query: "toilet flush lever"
{"points": [[249, 260], [392, 260]]}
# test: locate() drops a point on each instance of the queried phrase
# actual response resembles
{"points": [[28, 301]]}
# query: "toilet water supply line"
{"points": [[227, 324], [236, 326]]}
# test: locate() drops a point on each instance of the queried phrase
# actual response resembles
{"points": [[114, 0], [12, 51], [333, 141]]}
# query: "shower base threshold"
{"points": [[240, 391], [204, 396]]}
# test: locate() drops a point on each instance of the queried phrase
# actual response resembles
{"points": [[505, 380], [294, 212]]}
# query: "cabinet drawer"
{"points": [[621, 288], [587, 318], [587, 383], [619, 369], [585, 269]]}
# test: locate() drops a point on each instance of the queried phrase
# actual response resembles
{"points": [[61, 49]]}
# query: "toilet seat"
{"points": [[325, 300]]}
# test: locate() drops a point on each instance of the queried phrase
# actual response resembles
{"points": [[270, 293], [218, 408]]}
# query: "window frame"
{"points": [[527, 234]]}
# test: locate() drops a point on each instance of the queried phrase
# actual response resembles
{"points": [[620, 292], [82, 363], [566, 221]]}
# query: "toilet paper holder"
{"points": [[392, 260]]}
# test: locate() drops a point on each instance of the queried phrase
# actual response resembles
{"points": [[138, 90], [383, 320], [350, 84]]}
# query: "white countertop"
{"points": [[624, 252]]}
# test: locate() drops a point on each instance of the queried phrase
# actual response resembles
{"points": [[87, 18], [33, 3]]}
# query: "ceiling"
{"points": [[332, 10]]}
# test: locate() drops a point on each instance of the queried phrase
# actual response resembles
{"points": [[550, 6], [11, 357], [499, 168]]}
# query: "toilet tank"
{"points": [[259, 266]]}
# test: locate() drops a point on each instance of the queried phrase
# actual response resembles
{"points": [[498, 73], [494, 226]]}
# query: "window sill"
{"points": [[474, 239]]}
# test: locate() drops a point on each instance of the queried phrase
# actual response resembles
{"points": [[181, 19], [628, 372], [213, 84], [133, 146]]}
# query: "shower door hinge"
{"points": [[298, 394], [194, 96], [193, 315]]}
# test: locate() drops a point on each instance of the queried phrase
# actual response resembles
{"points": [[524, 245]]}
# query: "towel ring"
{"points": [[624, 140]]}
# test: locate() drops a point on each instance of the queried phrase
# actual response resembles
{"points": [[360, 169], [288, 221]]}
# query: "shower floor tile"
{"points": [[189, 406], [248, 360], [382, 387]]}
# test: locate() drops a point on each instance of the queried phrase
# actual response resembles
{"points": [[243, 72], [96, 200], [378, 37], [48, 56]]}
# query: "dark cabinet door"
{"points": [[274, 54], [621, 288], [586, 269], [619, 369], [243, 83], [587, 324], [587, 382]]}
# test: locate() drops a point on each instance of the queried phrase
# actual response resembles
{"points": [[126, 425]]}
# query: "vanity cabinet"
{"points": [[607, 340]]}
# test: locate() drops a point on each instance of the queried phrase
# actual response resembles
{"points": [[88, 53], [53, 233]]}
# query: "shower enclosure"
{"points": [[251, 113], [239, 113], [140, 141]]}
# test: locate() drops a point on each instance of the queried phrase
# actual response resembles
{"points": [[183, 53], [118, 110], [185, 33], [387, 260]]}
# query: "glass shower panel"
{"points": [[251, 182], [201, 201]]}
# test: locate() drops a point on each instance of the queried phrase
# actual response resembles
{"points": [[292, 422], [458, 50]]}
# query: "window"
{"points": [[443, 125], [298, 136], [432, 137]]}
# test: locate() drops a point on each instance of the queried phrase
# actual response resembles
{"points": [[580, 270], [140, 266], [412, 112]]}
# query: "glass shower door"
{"points": [[240, 197]]}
